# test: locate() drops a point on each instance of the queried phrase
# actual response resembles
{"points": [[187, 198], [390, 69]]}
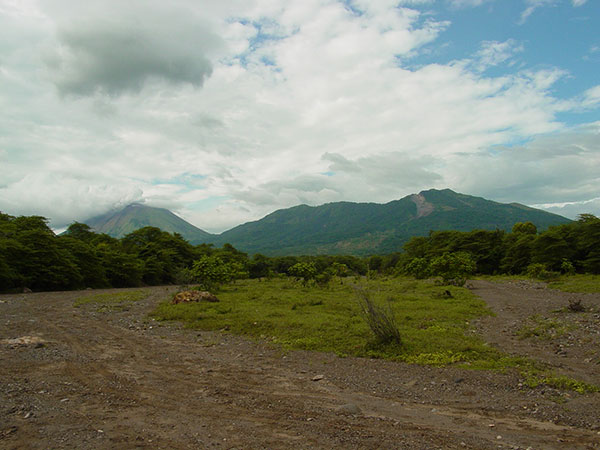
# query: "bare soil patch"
{"points": [[86, 378]]}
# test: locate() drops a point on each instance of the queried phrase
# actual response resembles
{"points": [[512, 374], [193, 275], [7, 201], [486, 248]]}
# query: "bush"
{"points": [[454, 268], [567, 267], [306, 271], [418, 268], [381, 321], [210, 272], [540, 272]]}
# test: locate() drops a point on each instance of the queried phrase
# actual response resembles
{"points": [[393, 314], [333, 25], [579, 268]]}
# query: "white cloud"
{"points": [[493, 53], [553, 169], [466, 3], [532, 5], [579, 2], [591, 97], [262, 105]]}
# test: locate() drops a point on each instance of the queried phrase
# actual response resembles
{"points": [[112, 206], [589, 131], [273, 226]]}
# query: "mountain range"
{"points": [[340, 227]]}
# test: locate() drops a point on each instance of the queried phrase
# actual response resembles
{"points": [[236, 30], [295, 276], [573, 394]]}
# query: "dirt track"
{"points": [[119, 380]]}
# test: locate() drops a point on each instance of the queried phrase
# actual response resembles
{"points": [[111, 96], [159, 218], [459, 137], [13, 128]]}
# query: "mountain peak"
{"points": [[372, 228], [138, 215]]}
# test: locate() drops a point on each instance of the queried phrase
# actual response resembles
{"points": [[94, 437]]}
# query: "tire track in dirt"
{"points": [[515, 303], [164, 387]]}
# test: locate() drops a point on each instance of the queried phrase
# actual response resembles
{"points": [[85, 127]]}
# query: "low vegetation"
{"points": [[543, 328], [432, 327], [585, 283]]}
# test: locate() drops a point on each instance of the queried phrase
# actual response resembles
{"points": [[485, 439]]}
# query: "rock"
{"points": [[194, 296], [24, 341], [317, 377]]}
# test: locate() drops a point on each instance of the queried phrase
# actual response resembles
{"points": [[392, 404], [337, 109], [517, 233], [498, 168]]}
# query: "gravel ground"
{"points": [[80, 378]]}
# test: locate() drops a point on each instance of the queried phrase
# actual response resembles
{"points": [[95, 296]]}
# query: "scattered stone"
{"points": [[317, 377], [194, 296], [24, 341]]}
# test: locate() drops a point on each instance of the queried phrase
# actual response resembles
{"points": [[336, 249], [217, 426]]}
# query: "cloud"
{"points": [[591, 97], [466, 3], [532, 6], [493, 53], [579, 2], [551, 169], [99, 51], [64, 198], [301, 102], [573, 209]]}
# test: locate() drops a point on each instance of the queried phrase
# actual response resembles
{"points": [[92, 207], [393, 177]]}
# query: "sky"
{"points": [[225, 111]]}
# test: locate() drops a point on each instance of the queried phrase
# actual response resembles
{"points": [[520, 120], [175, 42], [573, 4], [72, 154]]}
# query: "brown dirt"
{"points": [[81, 378]]}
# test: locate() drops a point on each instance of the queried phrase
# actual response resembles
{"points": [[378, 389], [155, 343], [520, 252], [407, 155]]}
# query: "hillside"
{"points": [[136, 216], [341, 227], [368, 228]]}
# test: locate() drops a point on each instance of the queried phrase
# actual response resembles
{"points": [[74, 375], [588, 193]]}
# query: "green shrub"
{"points": [[567, 267], [454, 268], [210, 272], [306, 271], [540, 272], [381, 320], [418, 268]]}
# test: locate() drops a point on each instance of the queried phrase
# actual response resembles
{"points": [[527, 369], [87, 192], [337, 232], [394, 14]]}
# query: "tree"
{"points": [[210, 272], [89, 264], [524, 227], [418, 268], [80, 231], [454, 268], [303, 270], [517, 254], [259, 266]]}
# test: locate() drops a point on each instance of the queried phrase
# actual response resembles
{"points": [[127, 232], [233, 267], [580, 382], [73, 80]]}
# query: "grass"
{"points": [[577, 283], [435, 330], [111, 302], [543, 328], [561, 382]]}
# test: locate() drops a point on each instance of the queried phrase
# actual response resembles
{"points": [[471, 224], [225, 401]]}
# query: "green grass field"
{"points": [[577, 283], [435, 328]]}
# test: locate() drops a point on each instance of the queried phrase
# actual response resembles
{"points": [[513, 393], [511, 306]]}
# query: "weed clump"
{"points": [[381, 320], [575, 305]]}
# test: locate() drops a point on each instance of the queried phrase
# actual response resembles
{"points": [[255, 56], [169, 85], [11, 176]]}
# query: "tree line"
{"points": [[568, 248], [32, 256]]}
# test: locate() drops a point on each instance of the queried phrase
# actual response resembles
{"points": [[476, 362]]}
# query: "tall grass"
{"points": [[381, 320]]}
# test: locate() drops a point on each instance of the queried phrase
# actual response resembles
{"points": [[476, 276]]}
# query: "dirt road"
{"points": [[80, 378]]}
